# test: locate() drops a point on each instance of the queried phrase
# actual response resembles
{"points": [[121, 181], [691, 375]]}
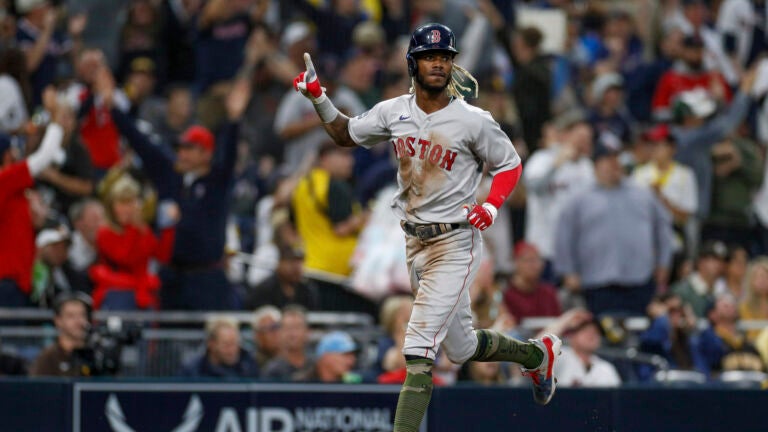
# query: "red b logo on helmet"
{"points": [[435, 36]]}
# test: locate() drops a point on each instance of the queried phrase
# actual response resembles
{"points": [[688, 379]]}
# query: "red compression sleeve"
{"points": [[503, 184]]}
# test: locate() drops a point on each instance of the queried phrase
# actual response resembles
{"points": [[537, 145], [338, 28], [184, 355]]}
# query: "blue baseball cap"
{"points": [[336, 342], [606, 144]]}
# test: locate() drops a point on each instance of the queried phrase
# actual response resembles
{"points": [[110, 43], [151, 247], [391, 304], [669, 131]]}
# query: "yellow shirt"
{"points": [[324, 250]]}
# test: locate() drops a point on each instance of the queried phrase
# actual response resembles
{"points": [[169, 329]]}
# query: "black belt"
{"points": [[427, 231]]}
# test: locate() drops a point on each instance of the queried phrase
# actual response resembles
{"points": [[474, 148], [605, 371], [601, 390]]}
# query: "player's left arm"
{"points": [[495, 148]]}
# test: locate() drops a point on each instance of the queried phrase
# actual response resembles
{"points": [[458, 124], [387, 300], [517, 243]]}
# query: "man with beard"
{"points": [[441, 144], [688, 73]]}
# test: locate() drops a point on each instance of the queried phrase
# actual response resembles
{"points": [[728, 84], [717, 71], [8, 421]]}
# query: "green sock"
{"points": [[415, 395], [495, 346]]}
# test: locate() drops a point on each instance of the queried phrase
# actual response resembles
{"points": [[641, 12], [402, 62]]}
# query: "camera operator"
{"points": [[71, 311]]}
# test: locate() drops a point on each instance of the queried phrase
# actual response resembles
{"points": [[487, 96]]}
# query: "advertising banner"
{"points": [[177, 407]]}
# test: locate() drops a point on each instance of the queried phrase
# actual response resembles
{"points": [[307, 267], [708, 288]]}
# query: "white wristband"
{"points": [[46, 153], [325, 109], [492, 210]]}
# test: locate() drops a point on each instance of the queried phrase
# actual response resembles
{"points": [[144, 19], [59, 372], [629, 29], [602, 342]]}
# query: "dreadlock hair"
{"points": [[461, 83]]}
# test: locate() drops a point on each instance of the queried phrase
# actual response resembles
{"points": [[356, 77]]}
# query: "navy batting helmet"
{"points": [[429, 37]]}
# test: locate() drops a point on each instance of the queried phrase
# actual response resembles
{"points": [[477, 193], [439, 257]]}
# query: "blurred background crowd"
{"points": [[190, 176]]}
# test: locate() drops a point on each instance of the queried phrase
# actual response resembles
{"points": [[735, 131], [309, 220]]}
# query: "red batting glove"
{"points": [[481, 216], [307, 82]]}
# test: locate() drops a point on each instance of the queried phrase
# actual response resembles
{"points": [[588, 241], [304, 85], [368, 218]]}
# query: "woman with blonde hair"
{"points": [[755, 303], [121, 276]]}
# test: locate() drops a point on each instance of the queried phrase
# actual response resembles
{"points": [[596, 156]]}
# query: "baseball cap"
{"points": [[49, 236], [605, 82], [657, 133], [199, 136], [522, 247], [336, 342], [714, 249], [587, 320], [142, 65], [606, 144], [294, 32], [25, 6]]}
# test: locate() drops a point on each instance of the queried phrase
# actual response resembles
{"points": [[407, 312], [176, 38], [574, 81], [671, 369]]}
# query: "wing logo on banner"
{"points": [[190, 420]]}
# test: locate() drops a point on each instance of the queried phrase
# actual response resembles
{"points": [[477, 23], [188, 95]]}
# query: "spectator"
{"points": [[98, 131], [671, 334], [17, 250], [642, 81], [71, 318], [121, 276], [72, 177], [673, 184], [722, 346], [701, 287], [738, 174], [266, 333], [47, 49], [16, 91], [531, 87], [482, 373], [736, 270], [52, 273], [552, 176], [86, 216], [336, 23], [139, 87], [754, 305], [268, 67], [223, 27], [297, 124], [579, 365], [336, 355], [178, 115], [12, 365], [614, 240], [139, 36], [327, 221], [687, 73], [286, 286], [694, 21], [294, 337], [393, 318], [527, 295], [696, 131], [177, 39], [609, 112], [224, 356], [201, 185]]}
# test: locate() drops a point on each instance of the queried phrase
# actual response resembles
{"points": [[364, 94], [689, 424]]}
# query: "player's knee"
{"points": [[460, 356]]}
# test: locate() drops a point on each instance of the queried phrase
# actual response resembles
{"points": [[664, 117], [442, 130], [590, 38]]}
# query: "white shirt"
{"points": [[13, 109], [547, 188], [571, 371], [737, 17], [679, 188], [81, 254], [440, 155]]}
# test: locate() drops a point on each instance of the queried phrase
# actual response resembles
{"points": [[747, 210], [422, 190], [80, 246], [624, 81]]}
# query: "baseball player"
{"points": [[441, 144]]}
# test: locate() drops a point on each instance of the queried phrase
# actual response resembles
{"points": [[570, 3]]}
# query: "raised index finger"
{"points": [[308, 63]]}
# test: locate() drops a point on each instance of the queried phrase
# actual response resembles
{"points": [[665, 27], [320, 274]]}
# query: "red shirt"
{"points": [[541, 302], [100, 136], [124, 259], [674, 82], [17, 235]]}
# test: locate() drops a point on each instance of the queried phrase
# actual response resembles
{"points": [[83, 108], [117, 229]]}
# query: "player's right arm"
{"points": [[335, 123]]}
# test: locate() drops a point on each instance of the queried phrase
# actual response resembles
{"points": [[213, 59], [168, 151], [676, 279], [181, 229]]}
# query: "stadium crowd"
{"points": [[154, 155]]}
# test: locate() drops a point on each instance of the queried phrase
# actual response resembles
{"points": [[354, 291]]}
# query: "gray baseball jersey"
{"points": [[440, 155]]}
